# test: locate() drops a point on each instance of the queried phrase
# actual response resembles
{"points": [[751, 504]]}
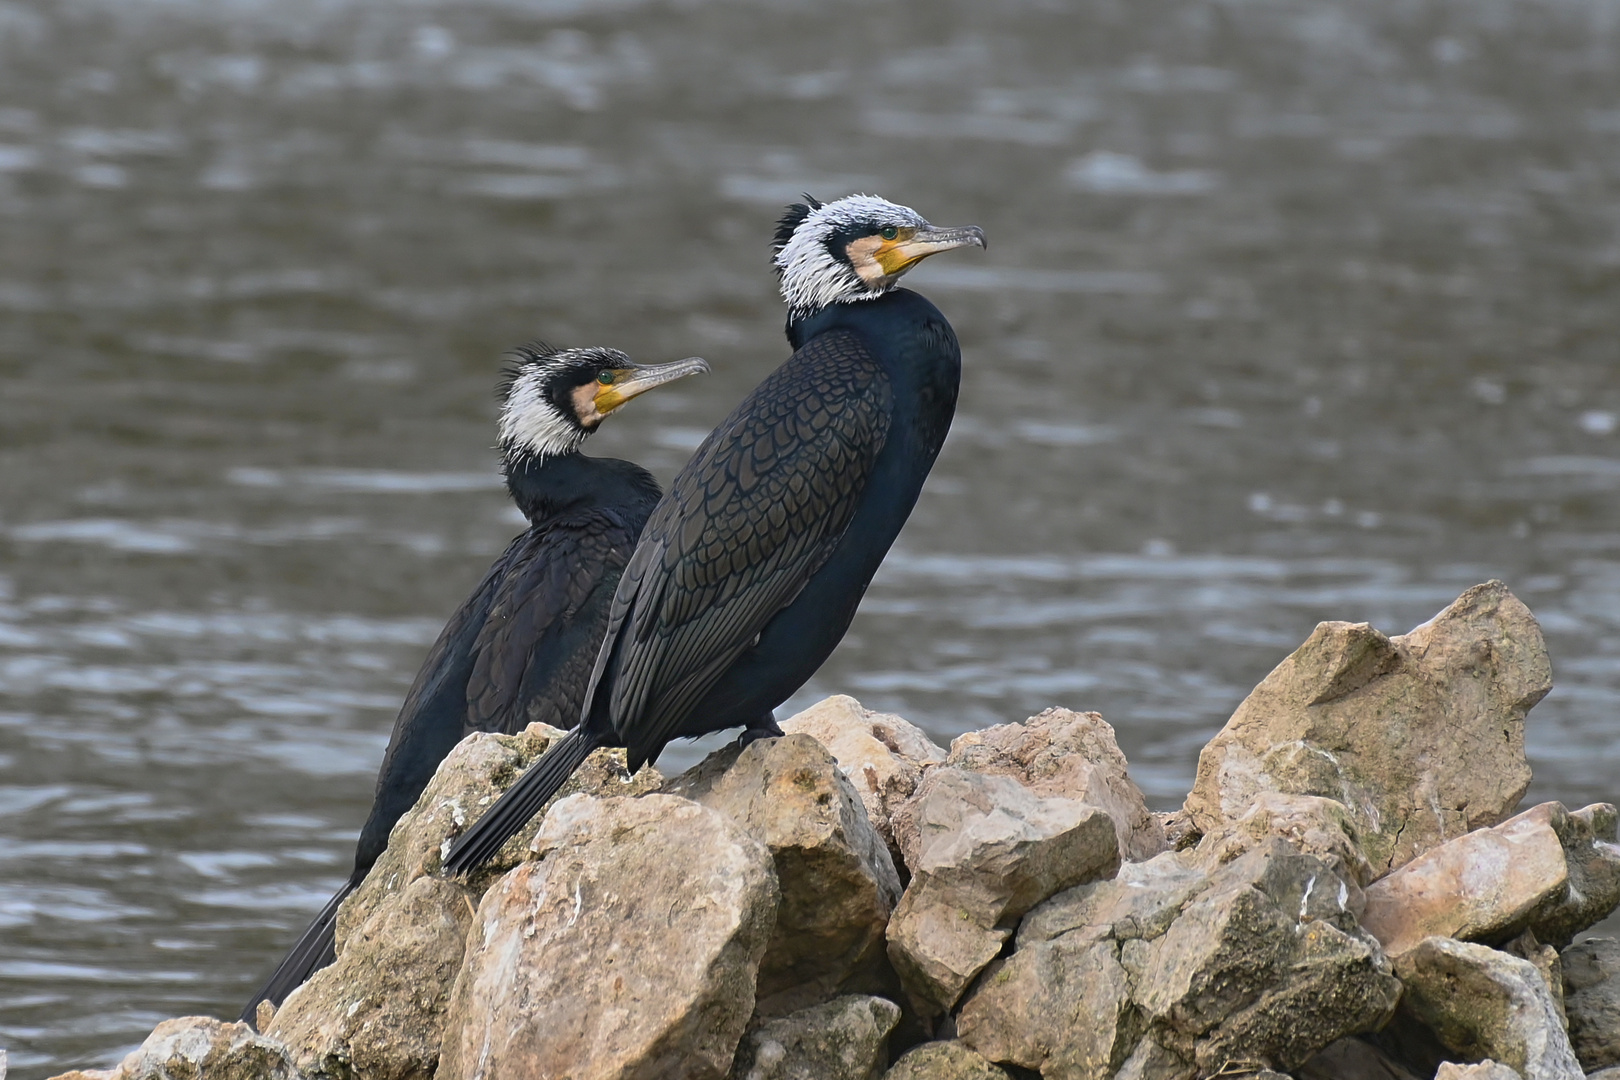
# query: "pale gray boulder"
{"points": [[838, 882], [983, 849], [1073, 755], [882, 754], [1482, 1070], [200, 1048], [628, 950], [944, 1061]]}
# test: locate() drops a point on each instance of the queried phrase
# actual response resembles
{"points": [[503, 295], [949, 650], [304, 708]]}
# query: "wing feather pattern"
{"points": [[533, 655], [755, 512]]}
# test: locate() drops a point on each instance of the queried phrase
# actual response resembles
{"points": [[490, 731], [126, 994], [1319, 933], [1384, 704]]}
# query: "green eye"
{"points": [[606, 378], [890, 233]]}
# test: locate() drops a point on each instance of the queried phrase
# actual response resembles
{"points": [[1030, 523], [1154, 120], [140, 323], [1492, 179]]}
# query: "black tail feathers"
{"points": [[521, 802], [314, 950]]}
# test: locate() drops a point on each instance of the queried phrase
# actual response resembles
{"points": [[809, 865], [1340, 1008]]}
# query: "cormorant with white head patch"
{"points": [[751, 567], [520, 649]]}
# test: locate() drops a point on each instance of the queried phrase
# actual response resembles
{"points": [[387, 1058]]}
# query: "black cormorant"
{"points": [[520, 648], [751, 567]]}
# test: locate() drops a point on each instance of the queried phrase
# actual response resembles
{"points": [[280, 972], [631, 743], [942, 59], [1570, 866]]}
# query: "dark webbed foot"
{"points": [[763, 728]]}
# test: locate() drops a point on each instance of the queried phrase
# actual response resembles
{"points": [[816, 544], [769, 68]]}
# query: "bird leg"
{"points": [[763, 727]]}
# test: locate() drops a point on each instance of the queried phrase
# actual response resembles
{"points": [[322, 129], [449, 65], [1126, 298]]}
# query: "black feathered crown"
{"points": [[790, 221], [519, 358]]}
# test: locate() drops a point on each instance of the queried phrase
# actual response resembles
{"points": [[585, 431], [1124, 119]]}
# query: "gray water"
{"points": [[1291, 312]]}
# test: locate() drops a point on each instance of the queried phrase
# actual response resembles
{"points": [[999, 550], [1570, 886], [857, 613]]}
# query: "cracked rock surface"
{"points": [[1420, 737]]}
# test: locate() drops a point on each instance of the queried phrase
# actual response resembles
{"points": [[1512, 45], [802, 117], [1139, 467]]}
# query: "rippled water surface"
{"points": [[1291, 312]]}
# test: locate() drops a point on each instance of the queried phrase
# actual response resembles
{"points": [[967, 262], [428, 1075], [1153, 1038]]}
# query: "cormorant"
{"points": [[520, 648], [752, 565]]}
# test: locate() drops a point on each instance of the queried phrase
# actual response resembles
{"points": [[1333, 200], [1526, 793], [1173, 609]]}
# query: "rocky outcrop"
{"points": [[1481, 1003], [844, 1039], [378, 1011], [1071, 755], [1420, 737], [1591, 971], [983, 849], [837, 880], [1349, 845], [882, 754], [590, 962], [200, 1048]]}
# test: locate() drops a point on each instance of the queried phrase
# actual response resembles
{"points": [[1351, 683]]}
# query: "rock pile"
{"points": [[1346, 895]]}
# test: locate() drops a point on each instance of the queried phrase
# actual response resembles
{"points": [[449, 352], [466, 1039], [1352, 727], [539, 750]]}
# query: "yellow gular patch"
{"points": [[900, 254]]}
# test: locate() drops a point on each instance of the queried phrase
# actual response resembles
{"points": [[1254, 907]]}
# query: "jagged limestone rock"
{"points": [[1420, 737], [1062, 1008], [882, 754], [1311, 824], [838, 881], [1482, 1070], [1258, 961], [1073, 755], [1266, 965], [983, 850], [628, 950], [1153, 1061]]}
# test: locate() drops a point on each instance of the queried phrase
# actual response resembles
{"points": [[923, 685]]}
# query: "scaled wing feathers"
{"points": [[751, 517]]}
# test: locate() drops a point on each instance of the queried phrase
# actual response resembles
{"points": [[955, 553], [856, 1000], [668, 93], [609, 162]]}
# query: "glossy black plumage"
{"points": [[751, 567], [520, 649]]}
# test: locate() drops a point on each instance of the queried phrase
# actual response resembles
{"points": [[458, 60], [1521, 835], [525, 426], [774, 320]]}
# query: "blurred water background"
{"points": [[1291, 312]]}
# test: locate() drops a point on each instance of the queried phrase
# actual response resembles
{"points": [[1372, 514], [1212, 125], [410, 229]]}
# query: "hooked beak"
{"points": [[637, 379], [901, 255]]}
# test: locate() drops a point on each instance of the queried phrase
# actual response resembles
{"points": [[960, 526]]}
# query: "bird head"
{"points": [[552, 399], [854, 248]]}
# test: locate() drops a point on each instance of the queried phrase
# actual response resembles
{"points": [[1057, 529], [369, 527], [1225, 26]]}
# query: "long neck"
{"points": [[544, 487]]}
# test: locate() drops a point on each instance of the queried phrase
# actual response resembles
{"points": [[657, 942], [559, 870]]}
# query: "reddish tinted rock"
{"points": [[1546, 870]]}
